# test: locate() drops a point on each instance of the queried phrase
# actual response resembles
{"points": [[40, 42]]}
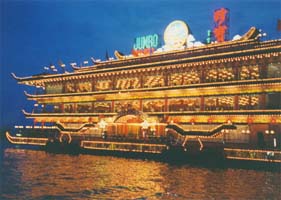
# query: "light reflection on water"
{"points": [[29, 174]]}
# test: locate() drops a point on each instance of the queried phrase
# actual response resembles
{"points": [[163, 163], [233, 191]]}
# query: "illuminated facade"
{"points": [[199, 88]]}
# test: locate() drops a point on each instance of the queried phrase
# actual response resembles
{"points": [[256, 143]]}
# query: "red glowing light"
{"points": [[221, 24], [220, 32], [220, 16], [142, 52]]}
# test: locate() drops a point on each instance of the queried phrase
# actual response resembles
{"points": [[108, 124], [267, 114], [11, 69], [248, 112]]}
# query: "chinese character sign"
{"points": [[221, 19]]}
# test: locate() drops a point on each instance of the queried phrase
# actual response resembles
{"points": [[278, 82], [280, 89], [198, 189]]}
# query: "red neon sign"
{"points": [[221, 19], [142, 52]]}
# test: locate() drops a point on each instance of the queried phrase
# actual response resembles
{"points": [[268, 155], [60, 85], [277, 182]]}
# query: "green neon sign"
{"points": [[145, 42]]}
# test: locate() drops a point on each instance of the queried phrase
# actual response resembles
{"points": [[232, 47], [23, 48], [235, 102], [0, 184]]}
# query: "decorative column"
{"points": [[140, 105], [112, 106], [74, 107], [263, 69], [235, 69], [236, 102], [63, 86], [262, 99], [182, 78], [93, 107], [62, 108], [202, 72], [166, 78], [75, 86], [93, 84], [202, 104], [141, 80], [166, 105], [113, 78]]}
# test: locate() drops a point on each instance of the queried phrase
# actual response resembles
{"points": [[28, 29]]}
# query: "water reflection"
{"points": [[28, 174]]}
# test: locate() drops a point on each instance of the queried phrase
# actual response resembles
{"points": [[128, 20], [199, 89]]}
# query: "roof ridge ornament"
{"points": [[19, 78], [253, 33]]}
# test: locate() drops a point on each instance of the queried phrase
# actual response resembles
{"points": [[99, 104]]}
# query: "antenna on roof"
{"points": [[93, 60], [53, 68], [62, 65], [106, 55]]}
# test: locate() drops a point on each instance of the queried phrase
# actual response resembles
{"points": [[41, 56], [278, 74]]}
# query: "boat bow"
{"points": [[26, 140]]}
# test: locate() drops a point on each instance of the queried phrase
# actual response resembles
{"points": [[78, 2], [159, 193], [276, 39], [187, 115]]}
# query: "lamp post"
{"points": [[223, 136], [272, 132], [153, 128], [35, 110], [102, 124], [192, 125], [144, 126]]}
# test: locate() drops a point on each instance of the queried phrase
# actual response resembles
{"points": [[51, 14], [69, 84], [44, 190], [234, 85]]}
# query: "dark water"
{"points": [[30, 174]]}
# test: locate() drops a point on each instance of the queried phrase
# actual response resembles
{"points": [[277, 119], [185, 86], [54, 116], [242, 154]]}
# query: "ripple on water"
{"points": [[28, 174]]}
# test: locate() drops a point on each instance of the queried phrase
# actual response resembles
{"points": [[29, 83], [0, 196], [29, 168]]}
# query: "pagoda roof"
{"points": [[248, 44], [250, 36]]}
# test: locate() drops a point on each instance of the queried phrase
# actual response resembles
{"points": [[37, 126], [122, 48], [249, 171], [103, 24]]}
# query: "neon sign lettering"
{"points": [[221, 19], [146, 42], [219, 33]]}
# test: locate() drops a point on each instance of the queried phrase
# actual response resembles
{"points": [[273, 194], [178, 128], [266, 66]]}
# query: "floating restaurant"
{"points": [[185, 97]]}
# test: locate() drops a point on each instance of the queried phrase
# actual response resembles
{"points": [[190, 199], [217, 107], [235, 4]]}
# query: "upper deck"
{"points": [[247, 48], [238, 78]]}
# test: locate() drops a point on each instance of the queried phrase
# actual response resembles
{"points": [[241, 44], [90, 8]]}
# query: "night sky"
{"points": [[35, 34]]}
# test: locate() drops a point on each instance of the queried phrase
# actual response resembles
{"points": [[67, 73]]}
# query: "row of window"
{"points": [[173, 79], [214, 103]]}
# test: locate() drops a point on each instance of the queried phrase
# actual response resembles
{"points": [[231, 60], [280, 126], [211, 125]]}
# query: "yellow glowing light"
{"points": [[144, 124], [122, 146], [102, 124]]}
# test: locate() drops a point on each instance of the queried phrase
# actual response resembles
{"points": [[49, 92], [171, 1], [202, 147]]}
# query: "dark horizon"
{"points": [[36, 34]]}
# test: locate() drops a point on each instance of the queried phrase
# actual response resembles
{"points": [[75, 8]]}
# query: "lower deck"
{"points": [[224, 141]]}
